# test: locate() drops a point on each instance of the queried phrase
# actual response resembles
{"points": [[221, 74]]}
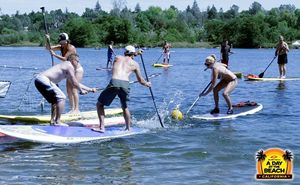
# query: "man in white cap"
{"points": [[123, 67], [66, 50]]}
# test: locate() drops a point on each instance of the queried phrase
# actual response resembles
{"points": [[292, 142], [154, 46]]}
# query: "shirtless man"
{"points": [[122, 68], [282, 48], [66, 50], [46, 82], [228, 82], [166, 52]]}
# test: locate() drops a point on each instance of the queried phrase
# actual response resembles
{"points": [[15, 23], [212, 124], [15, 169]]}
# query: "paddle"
{"points": [[261, 75], [197, 98], [158, 58], [151, 91], [46, 31], [19, 67], [132, 82]]}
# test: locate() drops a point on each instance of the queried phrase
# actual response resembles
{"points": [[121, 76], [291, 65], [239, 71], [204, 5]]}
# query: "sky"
{"points": [[78, 6]]}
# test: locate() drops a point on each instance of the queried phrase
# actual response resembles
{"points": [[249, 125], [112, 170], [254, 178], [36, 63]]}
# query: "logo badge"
{"points": [[274, 164]]}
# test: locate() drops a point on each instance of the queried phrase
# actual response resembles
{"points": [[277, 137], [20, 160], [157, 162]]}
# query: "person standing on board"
{"points": [[166, 52], [110, 53], [225, 50], [66, 49], [282, 48], [46, 82], [123, 67], [228, 82]]}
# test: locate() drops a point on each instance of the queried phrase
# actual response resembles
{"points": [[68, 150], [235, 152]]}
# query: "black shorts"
{"points": [[282, 59], [114, 88], [50, 91]]}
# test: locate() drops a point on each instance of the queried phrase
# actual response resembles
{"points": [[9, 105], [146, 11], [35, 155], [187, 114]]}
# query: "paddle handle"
{"points": [[47, 32], [162, 125]]}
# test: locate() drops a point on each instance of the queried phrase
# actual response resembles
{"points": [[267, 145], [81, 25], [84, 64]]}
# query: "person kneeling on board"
{"points": [[123, 67], [228, 82], [46, 82]]}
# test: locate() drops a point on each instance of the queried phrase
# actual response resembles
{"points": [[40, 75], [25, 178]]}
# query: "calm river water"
{"points": [[187, 152]]}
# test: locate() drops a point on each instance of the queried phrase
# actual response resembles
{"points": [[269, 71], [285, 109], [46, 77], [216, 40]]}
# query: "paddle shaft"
{"points": [[262, 74], [136, 81], [159, 58], [151, 91], [18, 67], [47, 32], [198, 98]]}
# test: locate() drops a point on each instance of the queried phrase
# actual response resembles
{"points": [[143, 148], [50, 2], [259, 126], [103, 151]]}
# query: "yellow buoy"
{"points": [[176, 114]]}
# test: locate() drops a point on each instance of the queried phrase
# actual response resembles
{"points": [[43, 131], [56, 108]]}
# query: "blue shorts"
{"points": [[50, 91], [114, 88]]}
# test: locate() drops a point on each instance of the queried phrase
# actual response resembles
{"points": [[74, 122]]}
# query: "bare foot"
{"points": [[98, 129], [61, 124], [127, 129]]}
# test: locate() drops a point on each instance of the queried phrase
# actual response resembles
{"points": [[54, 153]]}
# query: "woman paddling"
{"points": [[228, 82]]}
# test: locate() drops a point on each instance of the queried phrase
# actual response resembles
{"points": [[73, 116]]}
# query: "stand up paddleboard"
{"points": [[256, 78], [161, 65], [240, 109], [64, 135], [104, 69], [64, 117]]}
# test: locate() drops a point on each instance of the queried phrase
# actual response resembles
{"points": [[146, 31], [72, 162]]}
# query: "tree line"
{"points": [[252, 28]]}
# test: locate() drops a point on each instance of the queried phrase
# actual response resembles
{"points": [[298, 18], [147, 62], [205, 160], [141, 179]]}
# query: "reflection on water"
{"points": [[281, 85]]}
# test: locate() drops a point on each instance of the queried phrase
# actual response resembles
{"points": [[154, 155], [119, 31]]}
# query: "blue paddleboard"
{"points": [[64, 135]]}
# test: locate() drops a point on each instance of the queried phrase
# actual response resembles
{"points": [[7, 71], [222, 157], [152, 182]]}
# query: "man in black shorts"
{"points": [[122, 68], [46, 82], [282, 48]]}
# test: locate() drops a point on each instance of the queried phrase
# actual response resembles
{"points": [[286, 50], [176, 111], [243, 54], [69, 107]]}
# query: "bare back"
{"points": [[123, 66], [60, 71]]}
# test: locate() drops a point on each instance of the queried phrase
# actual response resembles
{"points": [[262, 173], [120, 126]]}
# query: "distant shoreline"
{"points": [[174, 45]]}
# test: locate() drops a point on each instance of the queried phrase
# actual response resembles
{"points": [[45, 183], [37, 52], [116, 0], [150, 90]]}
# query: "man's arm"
{"points": [[140, 78], [81, 88]]}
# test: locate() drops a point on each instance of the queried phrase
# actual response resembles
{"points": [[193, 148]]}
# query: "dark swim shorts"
{"points": [[48, 89], [114, 88], [282, 59]]}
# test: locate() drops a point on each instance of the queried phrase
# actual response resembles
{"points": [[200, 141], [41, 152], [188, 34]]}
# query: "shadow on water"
{"points": [[10, 144]]}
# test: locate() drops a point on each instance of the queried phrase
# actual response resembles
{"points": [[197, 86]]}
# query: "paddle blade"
{"points": [[261, 75]]}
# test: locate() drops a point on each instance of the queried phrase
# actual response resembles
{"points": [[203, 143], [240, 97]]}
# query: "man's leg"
{"points": [[101, 114], [60, 106], [127, 117]]}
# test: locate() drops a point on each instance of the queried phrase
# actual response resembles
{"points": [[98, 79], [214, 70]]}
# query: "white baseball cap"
{"points": [[63, 36], [130, 49]]}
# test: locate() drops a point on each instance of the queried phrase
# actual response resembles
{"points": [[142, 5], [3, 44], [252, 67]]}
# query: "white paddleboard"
{"points": [[64, 135], [64, 117], [249, 78], [237, 111], [95, 122]]}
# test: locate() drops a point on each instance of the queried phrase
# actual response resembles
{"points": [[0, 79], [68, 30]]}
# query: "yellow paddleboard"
{"points": [[161, 65], [64, 117]]}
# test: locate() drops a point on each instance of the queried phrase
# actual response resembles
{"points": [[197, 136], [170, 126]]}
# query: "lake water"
{"points": [[188, 152]]}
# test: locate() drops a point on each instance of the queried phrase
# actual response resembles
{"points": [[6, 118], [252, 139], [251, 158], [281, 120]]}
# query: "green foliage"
{"points": [[255, 27]]}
